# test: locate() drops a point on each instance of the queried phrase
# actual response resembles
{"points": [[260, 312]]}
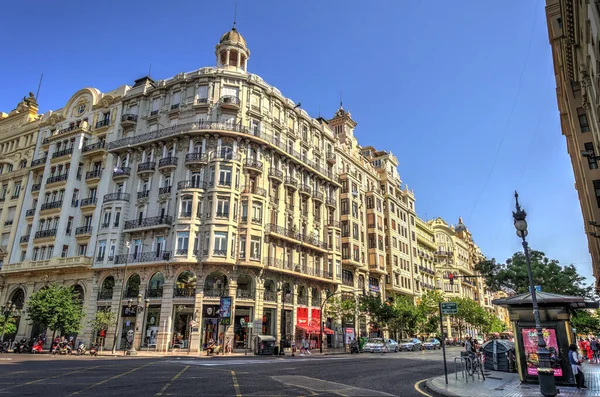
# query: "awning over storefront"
{"points": [[315, 330]]}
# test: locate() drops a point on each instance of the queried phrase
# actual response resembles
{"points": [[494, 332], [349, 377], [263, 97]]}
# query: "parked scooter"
{"points": [[5, 347], [81, 349], [94, 350], [354, 347], [61, 348], [37, 347]]}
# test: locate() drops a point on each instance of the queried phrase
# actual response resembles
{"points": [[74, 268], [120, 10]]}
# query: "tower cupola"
{"points": [[231, 52]]}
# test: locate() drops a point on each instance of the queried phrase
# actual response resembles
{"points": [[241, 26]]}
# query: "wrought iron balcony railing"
{"points": [[165, 220], [116, 197], [46, 233]]}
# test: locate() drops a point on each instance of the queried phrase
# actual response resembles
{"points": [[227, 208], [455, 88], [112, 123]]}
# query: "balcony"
{"points": [[164, 190], [88, 202], [270, 296], [102, 124], [333, 223], [93, 148], [116, 197], [93, 175], [331, 202], [184, 215], [251, 189], [247, 294], [257, 221], [105, 295], [24, 239], [318, 196], [154, 292], [225, 156], [83, 231], [57, 178], [155, 222], [196, 158], [121, 173], [167, 164], [152, 256], [30, 213], [8, 222], [222, 215], [39, 162], [331, 157], [254, 166], [305, 190], [143, 194], [128, 120], [62, 153], [51, 205], [185, 292], [230, 102], [45, 234], [291, 183], [36, 187], [146, 168], [193, 184], [282, 231], [276, 174], [216, 292]]}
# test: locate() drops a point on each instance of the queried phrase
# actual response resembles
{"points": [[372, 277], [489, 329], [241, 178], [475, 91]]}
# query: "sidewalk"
{"points": [[185, 353], [505, 384]]}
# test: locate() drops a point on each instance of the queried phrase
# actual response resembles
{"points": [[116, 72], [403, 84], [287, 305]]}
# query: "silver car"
{"points": [[432, 344], [410, 344], [380, 345]]}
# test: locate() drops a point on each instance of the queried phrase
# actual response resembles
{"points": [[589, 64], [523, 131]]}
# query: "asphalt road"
{"points": [[391, 374]]}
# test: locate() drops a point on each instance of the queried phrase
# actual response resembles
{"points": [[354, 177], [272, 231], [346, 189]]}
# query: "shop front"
{"points": [[241, 331], [210, 322], [268, 322], [151, 327], [183, 315], [128, 314]]}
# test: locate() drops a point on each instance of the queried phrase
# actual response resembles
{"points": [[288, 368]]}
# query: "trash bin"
{"points": [[265, 345], [547, 382], [497, 355]]}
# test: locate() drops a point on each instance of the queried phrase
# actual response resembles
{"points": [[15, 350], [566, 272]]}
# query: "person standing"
{"points": [[575, 359], [595, 347]]}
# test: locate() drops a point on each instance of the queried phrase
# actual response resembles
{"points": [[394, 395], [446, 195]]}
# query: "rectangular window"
{"points": [[220, 247], [592, 162], [583, 120], [202, 93], [175, 100], [255, 248], [111, 249], [256, 212], [222, 207], [183, 241], [101, 250], [344, 206], [225, 176], [82, 250], [242, 247], [597, 191], [23, 253]]}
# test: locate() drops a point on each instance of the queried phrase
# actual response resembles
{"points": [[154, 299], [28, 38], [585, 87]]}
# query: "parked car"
{"points": [[432, 344], [410, 344], [380, 345]]}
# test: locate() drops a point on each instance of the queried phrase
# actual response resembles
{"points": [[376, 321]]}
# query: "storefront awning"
{"points": [[314, 330]]}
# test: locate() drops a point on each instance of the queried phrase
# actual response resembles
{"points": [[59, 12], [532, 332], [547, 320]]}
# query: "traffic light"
{"points": [[451, 278]]}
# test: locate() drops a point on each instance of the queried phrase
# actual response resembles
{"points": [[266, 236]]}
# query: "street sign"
{"points": [[449, 308]]}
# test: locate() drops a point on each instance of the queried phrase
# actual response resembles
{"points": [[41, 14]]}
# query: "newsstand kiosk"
{"points": [[555, 314]]}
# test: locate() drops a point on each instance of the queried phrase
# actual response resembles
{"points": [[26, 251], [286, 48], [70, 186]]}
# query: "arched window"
{"points": [[106, 292], [155, 286], [186, 284], [133, 286]]}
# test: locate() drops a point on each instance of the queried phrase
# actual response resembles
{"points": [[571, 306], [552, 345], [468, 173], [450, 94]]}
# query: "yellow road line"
{"points": [[236, 386], [165, 387], [44, 379], [418, 388], [109, 379]]}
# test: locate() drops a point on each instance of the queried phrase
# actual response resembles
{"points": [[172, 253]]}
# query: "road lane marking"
{"points": [[166, 386], [51, 377], [236, 386], [13, 373], [317, 385], [418, 388], [109, 379]]}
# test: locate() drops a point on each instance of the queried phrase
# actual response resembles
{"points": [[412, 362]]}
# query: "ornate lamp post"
{"points": [[138, 308], [119, 307], [545, 371], [8, 310]]}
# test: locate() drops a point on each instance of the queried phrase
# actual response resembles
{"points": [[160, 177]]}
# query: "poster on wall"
{"points": [[530, 346], [225, 310]]}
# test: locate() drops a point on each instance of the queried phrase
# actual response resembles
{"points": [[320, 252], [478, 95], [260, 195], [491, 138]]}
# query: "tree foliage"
{"points": [[11, 325], [586, 322], [340, 308], [103, 320], [56, 307], [547, 273]]}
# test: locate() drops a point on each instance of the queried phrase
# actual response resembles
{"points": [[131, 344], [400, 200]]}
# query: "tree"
{"points": [[56, 307], [11, 325], [586, 322], [341, 309], [547, 273], [428, 308], [468, 314], [493, 324], [378, 312]]}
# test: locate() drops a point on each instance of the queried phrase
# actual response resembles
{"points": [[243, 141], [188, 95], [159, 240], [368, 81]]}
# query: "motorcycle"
{"points": [[61, 348], [81, 349], [37, 347], [5, 347], [94, 350], [354, 348]]}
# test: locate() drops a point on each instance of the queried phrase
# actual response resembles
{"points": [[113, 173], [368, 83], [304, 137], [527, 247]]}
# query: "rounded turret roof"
{"points": [[233, 36]]}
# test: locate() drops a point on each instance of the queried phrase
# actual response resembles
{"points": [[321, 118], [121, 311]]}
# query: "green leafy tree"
{"points": [[377, 312], [56, 307], [586, 322], [547, 273], [428, 312], [340, 309], [468, 314], [11, 325]]}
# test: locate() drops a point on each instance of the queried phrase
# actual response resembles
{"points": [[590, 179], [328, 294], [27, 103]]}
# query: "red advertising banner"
{"points": [[315, 314], [530, 346], [302, 316]]}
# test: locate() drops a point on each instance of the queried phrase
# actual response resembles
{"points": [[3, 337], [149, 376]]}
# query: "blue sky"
{"points": [[462, 92]]}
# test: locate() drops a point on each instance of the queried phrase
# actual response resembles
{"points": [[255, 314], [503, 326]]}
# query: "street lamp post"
{"points": [[138, 309], [119, 308], [283, 315], [8, 310], [545, 371]]}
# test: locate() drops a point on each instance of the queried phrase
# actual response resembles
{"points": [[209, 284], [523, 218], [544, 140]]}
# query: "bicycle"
{"points": [[474, 365]]}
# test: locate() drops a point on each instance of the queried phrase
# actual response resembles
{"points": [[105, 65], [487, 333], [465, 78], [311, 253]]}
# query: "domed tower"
{"points": [[231, 52]]}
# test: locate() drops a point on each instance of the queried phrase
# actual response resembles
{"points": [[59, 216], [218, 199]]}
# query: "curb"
{"points": [[437, 391]]}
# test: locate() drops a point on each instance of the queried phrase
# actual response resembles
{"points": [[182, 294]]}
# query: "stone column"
{"points": [[165, 328], [227, 55], [195, 340], [239, 59]]}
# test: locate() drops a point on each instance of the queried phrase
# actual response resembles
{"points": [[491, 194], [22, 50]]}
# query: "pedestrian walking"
{"points": [[304, 347], [575, 359], [595, 347]]}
